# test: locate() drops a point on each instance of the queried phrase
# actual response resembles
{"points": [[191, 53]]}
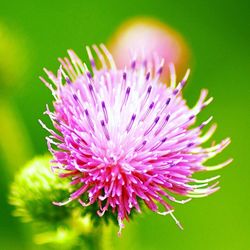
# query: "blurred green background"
{"points": [[218, 33]]}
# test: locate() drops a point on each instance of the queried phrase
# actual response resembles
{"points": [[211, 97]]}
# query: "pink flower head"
{"points": [[123, 137]]}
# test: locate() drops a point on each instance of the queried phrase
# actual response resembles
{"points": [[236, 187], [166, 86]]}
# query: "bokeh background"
{"points": [[218, 35]]}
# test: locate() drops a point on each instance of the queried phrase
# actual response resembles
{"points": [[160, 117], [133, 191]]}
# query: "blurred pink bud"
{"points": [[147, 37]]}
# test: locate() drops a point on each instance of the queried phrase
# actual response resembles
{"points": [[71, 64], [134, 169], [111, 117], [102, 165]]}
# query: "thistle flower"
{"points": [[124, 138]]}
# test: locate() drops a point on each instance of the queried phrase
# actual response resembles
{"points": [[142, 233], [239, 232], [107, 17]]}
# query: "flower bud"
{"points": [[34, 189], [149, 37]]}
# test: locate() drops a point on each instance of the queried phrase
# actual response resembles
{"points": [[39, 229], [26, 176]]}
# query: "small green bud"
{"points": [[34, 189]]}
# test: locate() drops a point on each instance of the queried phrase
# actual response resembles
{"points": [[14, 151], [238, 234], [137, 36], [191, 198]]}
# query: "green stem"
{"points": [[14, 140], [100, 238]]}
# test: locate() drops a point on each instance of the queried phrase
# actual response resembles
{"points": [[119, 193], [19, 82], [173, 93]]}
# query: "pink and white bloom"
{"points": [[122, 136]]}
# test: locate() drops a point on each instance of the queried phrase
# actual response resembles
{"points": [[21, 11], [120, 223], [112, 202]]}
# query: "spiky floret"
{"points": [[122, 136]]}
